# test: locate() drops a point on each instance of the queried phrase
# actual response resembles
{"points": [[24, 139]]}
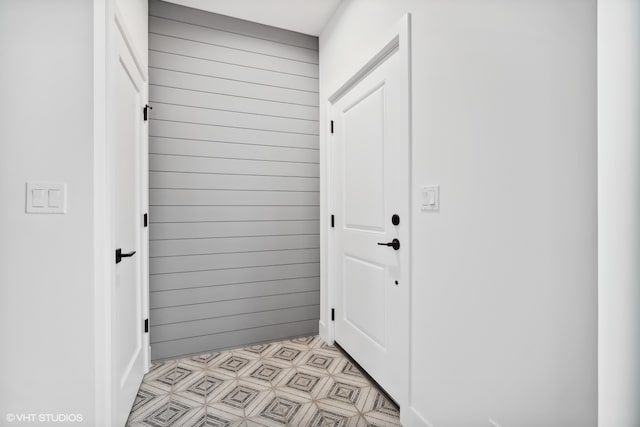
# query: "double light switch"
{"points": [[46, 197]]}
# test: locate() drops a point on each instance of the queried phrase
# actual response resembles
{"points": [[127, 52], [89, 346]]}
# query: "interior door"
{"points": [[371, 205], [125, 141]]}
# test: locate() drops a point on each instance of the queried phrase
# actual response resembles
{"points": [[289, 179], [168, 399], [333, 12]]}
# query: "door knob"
{"points": [[120, 255], [395, 244]]}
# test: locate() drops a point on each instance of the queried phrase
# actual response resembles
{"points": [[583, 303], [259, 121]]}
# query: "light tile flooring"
{"points": [[302, 382]]}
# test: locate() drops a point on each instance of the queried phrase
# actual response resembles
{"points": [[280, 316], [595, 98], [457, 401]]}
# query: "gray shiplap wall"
{"points": [[234, 187]]}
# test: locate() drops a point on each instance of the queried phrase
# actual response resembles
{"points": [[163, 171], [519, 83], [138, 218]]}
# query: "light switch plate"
{"points": [[46, 197], [38, 198], [430, 198]]}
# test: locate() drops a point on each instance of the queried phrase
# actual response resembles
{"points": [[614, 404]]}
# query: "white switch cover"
{"points": [[46, 197], [38, 198], [55, 198], [430, 200]]}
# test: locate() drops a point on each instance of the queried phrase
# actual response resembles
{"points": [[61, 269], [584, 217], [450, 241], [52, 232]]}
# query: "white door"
{"points": [[125, 146], [370, 151]]}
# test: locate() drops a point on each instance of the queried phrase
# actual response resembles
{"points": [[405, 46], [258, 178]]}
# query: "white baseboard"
{"points": [[323, 331], [409, 417]]}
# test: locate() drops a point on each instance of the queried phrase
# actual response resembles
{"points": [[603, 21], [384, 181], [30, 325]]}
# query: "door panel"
{"points": [[371, 183], [364, 162], [366, 289], [125, 142]]}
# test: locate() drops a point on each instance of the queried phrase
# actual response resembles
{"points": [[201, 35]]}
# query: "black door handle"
{"points": [[120, 255], [395, 244]]}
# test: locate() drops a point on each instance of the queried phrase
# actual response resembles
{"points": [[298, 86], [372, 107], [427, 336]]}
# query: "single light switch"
{"points": [[431, 198], [37, 198], [46, 197]]}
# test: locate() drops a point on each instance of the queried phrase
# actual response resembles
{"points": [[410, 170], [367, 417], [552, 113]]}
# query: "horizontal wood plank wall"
{"points": [[234, 187]]}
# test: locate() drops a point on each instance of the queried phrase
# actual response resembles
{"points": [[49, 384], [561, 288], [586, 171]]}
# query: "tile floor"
{"points": [[301, 382]]}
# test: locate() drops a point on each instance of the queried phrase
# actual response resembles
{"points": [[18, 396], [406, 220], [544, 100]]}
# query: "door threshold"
{"points": [[366, 374]]}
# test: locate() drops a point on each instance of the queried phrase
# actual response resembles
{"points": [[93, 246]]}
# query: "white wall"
{"points": [[618, 212], [305, 17], [504, 276], [46, 262]]}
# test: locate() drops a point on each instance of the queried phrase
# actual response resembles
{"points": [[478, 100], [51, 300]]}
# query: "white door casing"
{"points": [[370, 182], [129, 343]]}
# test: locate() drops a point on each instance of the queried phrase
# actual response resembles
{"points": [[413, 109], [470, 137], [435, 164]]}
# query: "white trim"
{"points": [[323, 331], [413, 418], [326, 260], [397, 39], [378, 58], [102, 269], [137, 59], [144, 238], [405, 47]]}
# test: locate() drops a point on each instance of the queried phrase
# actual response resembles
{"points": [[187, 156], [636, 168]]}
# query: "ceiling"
{"points": [[303, 16]]}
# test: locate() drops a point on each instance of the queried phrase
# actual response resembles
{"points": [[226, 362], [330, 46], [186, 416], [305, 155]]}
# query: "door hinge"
{"points": [[331, 126], [145, 111], [333, 314], [145, 220], [146, 325], [333, 221]]}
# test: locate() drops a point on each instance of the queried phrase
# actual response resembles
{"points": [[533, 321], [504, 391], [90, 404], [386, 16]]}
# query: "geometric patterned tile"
{"points": [[234, 363], [261, 401], [300, 382], [305, 413], [174, 376], [158, 377], [359, 421], [378, 420], [240, 397], [340, 407], [205, 386], [320, 361], [143, 397], [155, 366], [144, 411], [191, 418], [204, 359], [345, 393], [266, 372], [287, 353], [385, 406], [226, 412], [303, 382], [328, 347], [167, 414], [210, 420], [327, 418], [350, 369], [308, 341], [281, 410], [258, 349]]}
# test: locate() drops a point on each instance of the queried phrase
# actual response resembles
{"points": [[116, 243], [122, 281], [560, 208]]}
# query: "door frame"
{"points": [[108, 23], [397, 37]]}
